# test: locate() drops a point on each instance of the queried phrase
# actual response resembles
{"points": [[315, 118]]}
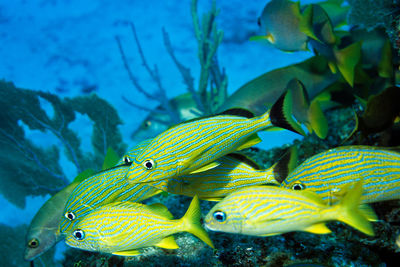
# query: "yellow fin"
{"points": [[253, 140], [168, 242], [212, 198], [207, 167], [191, 222], [319, 228], [271, 234], [160, 209], [313, 196], [368, 212], [132, 252], [349, 210]]}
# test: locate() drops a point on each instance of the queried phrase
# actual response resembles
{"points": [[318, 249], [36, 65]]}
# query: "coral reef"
{"points": [[30, 170]]}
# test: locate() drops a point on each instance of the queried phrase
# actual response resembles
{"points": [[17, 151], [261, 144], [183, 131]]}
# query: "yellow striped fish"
{"points": [[122, 228], [271, 210], [233, 172], [194, 146], [103, 188], [329, 173]]}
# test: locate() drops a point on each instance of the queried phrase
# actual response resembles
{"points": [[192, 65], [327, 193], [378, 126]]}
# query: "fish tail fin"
{"points": [[317, 119], [350, 212], [191, 222], [280, 114]]}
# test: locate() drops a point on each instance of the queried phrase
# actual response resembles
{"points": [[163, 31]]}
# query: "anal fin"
{"points": [[132, 252], [319, 228], [168, 242]]}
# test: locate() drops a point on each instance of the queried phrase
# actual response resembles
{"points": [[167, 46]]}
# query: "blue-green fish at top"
{"points": [[194, 146], [121, 228], [104, 187], [281, 22], [271, 210], [331, 172]]}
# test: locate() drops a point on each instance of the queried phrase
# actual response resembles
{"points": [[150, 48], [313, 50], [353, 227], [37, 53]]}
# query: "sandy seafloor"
{"points": [[64, 46]]}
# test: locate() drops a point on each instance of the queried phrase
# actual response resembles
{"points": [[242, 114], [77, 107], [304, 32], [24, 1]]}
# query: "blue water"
{"points": [[63, 47]]}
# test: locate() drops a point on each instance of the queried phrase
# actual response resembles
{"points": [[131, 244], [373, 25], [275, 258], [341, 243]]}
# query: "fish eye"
{"points": [[148, 164], [298, 187], [33, 243], [219, 216], [70, 215], [127, 160], [147, 124], [78, 234]]}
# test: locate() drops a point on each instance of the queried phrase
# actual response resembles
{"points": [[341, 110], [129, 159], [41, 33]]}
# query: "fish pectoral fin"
{"points": [[271, 234], [212, 198], [253, 140], [207, 167], [168, 242], [132, 252], [319, 228], [161, 210]]}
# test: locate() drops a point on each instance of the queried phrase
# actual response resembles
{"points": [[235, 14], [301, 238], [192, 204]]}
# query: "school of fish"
{"points": [[200, 158]]}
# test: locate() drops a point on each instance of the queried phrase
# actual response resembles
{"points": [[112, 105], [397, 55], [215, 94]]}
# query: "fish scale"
{"points": [[123, 227], [329, 172], [189, 146], [271, 210], [105, 187], [231, 174]]}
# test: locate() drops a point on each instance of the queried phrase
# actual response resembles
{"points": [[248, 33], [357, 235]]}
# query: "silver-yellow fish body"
{"points": [[281, 21], [44, 229], [330, 173], [102, 188], [121, 228], [271, 210], [194, 146], [234, 171]]}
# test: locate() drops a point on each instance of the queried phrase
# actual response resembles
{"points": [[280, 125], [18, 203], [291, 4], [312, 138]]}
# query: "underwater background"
{"points": [[68, 93]]}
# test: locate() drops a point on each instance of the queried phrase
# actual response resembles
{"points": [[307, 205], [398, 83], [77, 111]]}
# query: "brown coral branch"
{"points": [[185, 72]]}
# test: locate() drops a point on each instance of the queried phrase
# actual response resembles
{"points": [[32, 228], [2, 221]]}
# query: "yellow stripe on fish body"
{"points": [[194, 146], [234, 171], [270, 210], [122, 228], [329, 173], [102, 188]]}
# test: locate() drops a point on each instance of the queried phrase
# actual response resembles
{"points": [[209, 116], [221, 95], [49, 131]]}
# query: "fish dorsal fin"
{"points": [[253, 140], [83, 175], [286, 164], [132, 252], [160, 209], [207, 167], [368, 213], [111, 159], [244, 159], [168, 242], [238, 112], [319, 228]]}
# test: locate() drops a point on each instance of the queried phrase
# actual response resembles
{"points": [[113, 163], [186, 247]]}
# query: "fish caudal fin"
{"points": [[350, 213], [281, 116], [191, 222]]}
